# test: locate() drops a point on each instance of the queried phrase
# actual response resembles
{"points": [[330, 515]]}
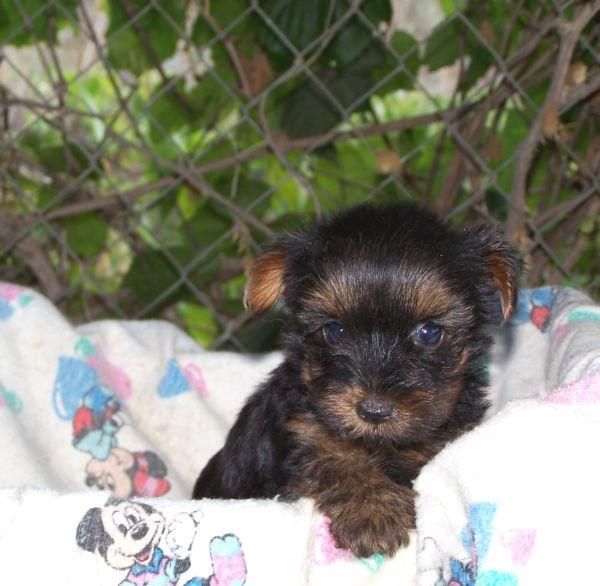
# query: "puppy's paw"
{"points": [[379, 523]]}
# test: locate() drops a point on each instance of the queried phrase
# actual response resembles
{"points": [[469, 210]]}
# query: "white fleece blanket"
{"points": [[136, 409]]}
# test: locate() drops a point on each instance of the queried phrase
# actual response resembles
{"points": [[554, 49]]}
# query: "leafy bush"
{"points": [[143, 182]]}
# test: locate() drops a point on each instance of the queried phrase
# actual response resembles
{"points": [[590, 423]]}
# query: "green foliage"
{"points": [[301, 23], [157, 142], [86, 234], [318, 106], [199, 322], [24, 22], [141, 36]]}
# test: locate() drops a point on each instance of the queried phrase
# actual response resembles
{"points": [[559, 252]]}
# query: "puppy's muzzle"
{"points": [[374, 411]]}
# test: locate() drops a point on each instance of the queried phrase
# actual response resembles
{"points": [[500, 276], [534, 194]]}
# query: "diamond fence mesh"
{"points": [[150, 147]]}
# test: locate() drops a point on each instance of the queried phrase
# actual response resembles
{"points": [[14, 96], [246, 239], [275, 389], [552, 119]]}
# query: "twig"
{"points": [[581, 93], [145, 41], [100, 203], [300, 64], [558, 237], [33, 254], [273, 145], [569, 33], [5, 100], [458, 165], [283, 146], [233, 325], [232, 53], [197, 183]]}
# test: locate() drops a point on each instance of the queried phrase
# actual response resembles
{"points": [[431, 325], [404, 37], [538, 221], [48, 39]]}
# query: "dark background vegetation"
{"points": [[149, 148]]}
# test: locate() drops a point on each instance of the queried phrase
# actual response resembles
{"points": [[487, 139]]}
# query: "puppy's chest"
{"points": [[403, 464]]}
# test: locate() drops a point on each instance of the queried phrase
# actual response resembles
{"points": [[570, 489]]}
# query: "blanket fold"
{"points": [[98, 421]]}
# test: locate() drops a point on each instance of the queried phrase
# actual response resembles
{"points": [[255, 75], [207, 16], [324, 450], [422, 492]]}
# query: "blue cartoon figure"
{"points": [[535, 306], [89, 391], [95, 424], [476, 538], [463, 573], [73, 380]]}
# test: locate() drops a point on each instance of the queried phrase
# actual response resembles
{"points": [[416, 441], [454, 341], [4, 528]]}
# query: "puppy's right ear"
{"points": [[265, 282]]}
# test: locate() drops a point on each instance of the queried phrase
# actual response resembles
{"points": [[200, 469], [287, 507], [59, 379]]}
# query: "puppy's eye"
{"points": [[332, 332], [429, 334]]}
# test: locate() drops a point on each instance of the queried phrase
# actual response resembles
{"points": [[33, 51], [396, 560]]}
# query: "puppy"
{"points": [[383, 366]]}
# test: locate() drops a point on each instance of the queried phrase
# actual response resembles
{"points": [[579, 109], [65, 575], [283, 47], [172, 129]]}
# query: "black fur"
{"points": [[381, 273]]}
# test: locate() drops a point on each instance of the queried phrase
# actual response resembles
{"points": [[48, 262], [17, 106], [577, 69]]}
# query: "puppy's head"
{"points": [[389, 306]]}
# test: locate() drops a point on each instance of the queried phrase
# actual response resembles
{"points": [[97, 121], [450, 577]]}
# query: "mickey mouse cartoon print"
{"points": [[134, 536]]}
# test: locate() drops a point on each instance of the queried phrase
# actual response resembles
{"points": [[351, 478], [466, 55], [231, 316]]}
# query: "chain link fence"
{"points": [[149, 148]]}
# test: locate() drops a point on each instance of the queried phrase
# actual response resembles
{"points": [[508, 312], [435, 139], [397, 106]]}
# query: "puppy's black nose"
{"points": [[374, 411]]}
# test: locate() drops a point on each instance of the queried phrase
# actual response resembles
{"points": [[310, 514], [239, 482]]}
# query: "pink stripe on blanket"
{"points": [[585, 390]]}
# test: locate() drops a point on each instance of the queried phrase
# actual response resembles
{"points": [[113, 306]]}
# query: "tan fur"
{"points": [[409, 408], [431, 297], [428, 296], [368, 511], [500, 272], [265, 282], [333, 297]]}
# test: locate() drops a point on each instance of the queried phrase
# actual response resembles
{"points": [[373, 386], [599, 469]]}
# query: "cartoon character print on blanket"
{"points": [[180, 379], [11, 298], [10, 400], [133, 537], [477, 537], [326, 551], [535, 306], [127, 473], [89, 391]]}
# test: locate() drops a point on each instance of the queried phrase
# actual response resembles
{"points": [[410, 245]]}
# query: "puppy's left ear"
{"points": [[265, 281], [503, 267], [277, 273]]}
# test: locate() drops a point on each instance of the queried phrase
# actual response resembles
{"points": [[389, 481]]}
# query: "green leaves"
{"points": [[86, 234], [347, 62], [300, 23], [197, 116], [318, 106], [357, 34], [443, 45], [400, 65], [141, 36], [61, 154], [198, 321], [450, 6], [454, 39], [153, 274], [286, 28], [23, 22]]}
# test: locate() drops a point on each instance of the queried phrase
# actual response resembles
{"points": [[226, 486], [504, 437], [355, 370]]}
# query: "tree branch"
{"points": [[569, 33], [283, 145], [33, 254], [99, 203]]}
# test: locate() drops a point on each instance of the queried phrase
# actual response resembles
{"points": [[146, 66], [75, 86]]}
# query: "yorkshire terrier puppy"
{"points": [[383, 366]]}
